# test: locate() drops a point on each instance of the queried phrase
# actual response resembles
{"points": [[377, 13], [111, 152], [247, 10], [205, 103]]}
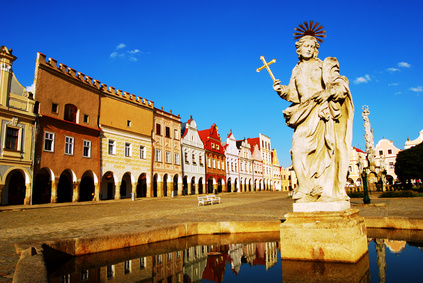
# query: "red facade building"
{"points": [[215, 159]]}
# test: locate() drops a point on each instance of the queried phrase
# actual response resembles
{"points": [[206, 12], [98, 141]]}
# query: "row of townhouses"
{"points": [[73, 139]]}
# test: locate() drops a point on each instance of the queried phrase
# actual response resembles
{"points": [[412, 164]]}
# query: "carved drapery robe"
{"points": [[322, 131]]}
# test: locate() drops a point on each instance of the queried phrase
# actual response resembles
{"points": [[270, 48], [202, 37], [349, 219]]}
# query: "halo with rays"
{"points": [[310, 28]]}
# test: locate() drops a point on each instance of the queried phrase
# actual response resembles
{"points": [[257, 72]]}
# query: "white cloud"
{"points": [[135, 51], [120, 46], [404, 65], [393, 84], [392, 70], [398, 93], [130, 55], [364, 79], [30, 88], [417, 89]]}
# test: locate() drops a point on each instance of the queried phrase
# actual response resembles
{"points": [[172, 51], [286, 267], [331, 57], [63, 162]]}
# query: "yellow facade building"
{"points": [[126, 123], [167, 167], [17, 135]]}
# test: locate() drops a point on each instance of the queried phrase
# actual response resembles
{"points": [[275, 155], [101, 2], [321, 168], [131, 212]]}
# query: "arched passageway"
{"points": [[165, 185], [126, 186], [107, 190], [185, 186], [193, 186], [155, 179], [175, 184], [142, 186], [86, 189], [229, 185], [220, 185], [210, 185], [42, 187], [14, 190], [200, 186], [65, 187]]}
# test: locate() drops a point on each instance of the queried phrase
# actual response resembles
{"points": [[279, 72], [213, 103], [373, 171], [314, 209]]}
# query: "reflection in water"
{"points": [[218, 258]]}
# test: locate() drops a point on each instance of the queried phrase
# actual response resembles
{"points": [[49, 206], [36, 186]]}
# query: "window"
{"points": [[70, 113], [380, 152], [391, 165], [217, 147], [142, 262], [12, 137], [218, 164], [158, 129], [128, 123], [389, 151], [128, 149], [86, 151], [167, 132], [201, 160], [84, 275], [48, 142], [127, 267], [158, 155], [214, 163], [112, 147], [54, 108], [208, 163], [213, 145], [186, 158], [69, 142], [175, 134], [193, 159], [86, 119], [159, 258], [142, 152], [167, 157], [177, 158], [110, 271]]}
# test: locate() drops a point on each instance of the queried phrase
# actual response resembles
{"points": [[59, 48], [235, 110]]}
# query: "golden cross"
{"points": [[266, 65]]}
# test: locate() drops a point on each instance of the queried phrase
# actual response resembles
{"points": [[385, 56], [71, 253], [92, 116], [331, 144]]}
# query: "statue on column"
{"points": [[368, 137], [321, 115]]}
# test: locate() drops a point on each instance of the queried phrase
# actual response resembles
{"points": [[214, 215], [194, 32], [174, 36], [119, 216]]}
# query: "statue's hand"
{"points": [[277, 86], [321, 96], [281, 90]]}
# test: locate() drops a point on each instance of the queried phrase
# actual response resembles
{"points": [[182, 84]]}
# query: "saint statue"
{"points": [[321, 115]]}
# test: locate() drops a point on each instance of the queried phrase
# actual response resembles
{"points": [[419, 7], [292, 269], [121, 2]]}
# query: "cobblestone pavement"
{"points": [[51, 221]]}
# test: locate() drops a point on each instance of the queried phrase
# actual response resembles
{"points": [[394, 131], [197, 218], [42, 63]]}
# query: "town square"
{"points": [[183, 120]]}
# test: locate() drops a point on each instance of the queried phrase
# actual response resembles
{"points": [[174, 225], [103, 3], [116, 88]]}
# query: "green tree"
{"points": [[409, 163]]}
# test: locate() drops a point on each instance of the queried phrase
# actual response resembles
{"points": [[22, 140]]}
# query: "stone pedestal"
{"points": [[334, 236], [317, 271]]}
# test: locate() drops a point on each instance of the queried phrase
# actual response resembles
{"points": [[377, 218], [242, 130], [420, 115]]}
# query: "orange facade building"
{"points": [[78, 119]]}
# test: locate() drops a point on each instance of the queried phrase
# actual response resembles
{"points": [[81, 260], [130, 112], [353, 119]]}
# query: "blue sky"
{"points": [[200, 57]]}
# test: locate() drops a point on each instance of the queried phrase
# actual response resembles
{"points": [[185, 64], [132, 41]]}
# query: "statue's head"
{"points": [[307, 40]]}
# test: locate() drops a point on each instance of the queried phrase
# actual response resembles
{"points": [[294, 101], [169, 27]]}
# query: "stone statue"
{"points": [[368, 137], [321, 115]]}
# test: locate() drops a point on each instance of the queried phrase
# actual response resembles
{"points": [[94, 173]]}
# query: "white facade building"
{"points": [[257, 168], [415, 142], [232, 164], [386, 156], [266, 152], [193, 159], [245, 165]]}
